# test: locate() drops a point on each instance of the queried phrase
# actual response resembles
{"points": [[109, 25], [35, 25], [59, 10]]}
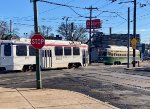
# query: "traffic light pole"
{"points": [[134, 33], [38, 69]]}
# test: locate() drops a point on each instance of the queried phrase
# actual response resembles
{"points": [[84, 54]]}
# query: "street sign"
{"points": [[134, 46], [96, 23], [133, 42], [37, 41]]}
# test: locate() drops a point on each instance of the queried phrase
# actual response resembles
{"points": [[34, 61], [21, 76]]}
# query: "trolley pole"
{"points": [[128, 37], [134, 33], [38, 70]]}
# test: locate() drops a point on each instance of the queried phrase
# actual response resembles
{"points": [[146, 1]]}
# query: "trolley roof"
{"points": [[47, 42], [119, 48]]}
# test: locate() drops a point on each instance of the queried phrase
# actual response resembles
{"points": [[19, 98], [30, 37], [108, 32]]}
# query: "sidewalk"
{"points": [[22, 98]]}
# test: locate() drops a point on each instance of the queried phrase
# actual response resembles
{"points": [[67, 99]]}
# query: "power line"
{"points": [[55, 7], [111, 13], [53, 3]]}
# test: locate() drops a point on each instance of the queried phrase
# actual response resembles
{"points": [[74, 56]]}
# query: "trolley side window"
{"points": [[21, 50], [32, 51], [76, 51], [109, 53], [58, 51], [7, 50], [67, 50]]}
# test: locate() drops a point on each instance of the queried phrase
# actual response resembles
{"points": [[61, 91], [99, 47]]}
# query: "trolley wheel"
{"points": [[119, 63], [33, 67], [70, 66], [77, 65], [25, 68]]}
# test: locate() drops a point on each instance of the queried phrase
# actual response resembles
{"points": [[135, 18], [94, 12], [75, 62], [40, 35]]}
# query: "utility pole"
{"points": [[134, 33], [38, 69], [91, 8], [110, 31], [128, 37], [10, 26], [72, 31], [47, 31], [67, 26]]}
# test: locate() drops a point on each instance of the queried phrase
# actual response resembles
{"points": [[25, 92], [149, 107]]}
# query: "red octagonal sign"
{"points": [[37, 41]]}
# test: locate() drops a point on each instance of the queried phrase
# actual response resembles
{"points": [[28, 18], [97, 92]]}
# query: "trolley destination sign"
{"points": [[37, 41]]}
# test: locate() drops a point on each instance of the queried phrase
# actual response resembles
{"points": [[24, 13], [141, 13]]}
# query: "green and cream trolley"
{"points": [[116, 55]]}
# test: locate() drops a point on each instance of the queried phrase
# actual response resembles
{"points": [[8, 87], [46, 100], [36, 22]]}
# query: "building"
{"points": [[99, 39]]}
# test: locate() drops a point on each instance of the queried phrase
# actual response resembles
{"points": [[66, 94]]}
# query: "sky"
{"points": [[21, 14]]}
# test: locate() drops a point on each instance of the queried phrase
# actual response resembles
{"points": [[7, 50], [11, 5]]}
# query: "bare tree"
{"points": [[45, 30], [31, 34], [79, 32], [3, 28], [62, 30], [5, 34], [16, 31]]}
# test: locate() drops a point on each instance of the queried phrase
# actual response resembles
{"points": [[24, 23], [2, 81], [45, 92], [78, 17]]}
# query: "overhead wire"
{"points": [[79, 15], [53, 3], [55, 7]]}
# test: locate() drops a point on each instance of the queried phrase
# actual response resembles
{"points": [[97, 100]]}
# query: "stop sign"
{"points": [[37, 41]]}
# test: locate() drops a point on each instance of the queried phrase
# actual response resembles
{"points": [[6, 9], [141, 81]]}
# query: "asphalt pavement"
{"points": [[63, 88]]}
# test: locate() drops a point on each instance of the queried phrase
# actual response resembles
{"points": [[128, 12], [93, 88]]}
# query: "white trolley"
{"points": [[20, 55]]}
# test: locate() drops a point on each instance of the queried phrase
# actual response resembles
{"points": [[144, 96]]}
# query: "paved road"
{"points": [[126, 89]]}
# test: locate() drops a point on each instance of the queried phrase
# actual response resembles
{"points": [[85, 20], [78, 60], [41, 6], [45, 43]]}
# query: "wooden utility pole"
{"points": [[10, 26], [90, 8]]}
